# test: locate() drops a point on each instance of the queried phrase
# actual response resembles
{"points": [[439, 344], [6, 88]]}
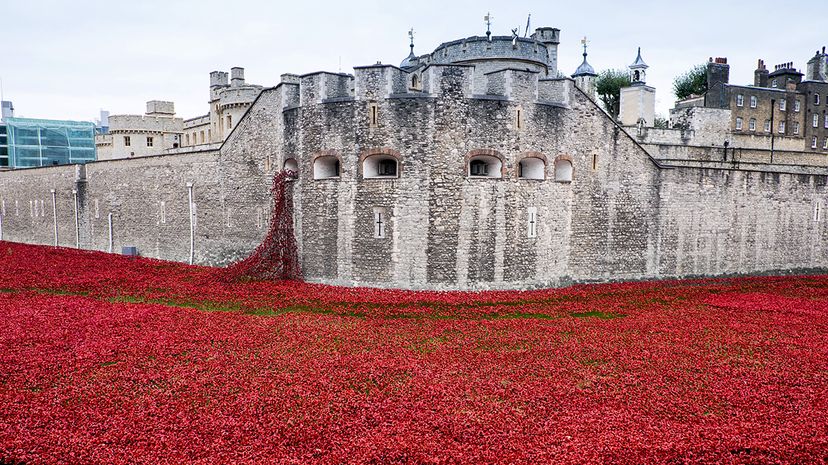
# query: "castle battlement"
{"points": [[379, 82], [320, 86], [144, 123], [474, 167], [515, 49]]}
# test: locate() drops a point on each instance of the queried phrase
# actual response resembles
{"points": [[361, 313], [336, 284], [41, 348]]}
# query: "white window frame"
{"points": [[781, 127], [753, 101], [775, 83], [532, 222], [768, 125], [825, 143], [493, 167], [816, 120], [783, 105], [532, 168], [816, 99], [797, 106], [738, 124], [740, 100], [327, 167], [564, 170], [796, 127], [752, 124], [814, 142]]}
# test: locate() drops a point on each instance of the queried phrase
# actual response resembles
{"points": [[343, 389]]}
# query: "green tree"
{"points": [[661, 122], [693, 82], [608, 87]]}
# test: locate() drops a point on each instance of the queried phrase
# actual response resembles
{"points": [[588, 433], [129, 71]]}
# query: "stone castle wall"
{"points": [[622, 216]]}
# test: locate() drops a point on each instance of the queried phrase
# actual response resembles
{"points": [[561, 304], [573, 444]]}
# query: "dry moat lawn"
{"points": [[109, 360]]}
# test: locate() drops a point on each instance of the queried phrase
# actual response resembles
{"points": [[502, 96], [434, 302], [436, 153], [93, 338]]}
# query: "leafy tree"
{"points": [[661, 122], [693, 82], [608, 86]]}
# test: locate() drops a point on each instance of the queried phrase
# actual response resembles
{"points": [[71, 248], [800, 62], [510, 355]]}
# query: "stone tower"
{"points": [[637, 106], [585, 75], [818, 67]]}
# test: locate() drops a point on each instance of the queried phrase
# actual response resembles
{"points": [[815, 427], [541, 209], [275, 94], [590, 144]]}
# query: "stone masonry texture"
{"points": [[623, 215]]}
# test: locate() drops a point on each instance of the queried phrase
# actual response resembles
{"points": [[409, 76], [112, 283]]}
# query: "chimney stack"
{"points": [[760, 76], [236, 76]]}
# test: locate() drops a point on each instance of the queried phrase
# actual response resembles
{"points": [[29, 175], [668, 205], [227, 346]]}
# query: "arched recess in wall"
{"points": [[485, 163], [380, 163], [327, 165], [532, 166], [291, 165], [563, 168], [416, 83]]}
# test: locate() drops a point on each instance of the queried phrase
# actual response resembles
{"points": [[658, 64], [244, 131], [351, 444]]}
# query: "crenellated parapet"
{"points": [[144, 124], [515, 84], [380, 82], [324, 86]]}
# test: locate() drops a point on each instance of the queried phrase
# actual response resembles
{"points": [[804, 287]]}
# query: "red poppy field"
{"points": [[111, 360]]}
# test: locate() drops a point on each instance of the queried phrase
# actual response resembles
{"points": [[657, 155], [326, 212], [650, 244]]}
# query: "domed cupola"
{"points": [[411, 61], [585, 74]]}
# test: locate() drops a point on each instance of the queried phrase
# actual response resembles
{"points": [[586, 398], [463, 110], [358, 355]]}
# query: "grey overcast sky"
{"points": [[70, 59]]}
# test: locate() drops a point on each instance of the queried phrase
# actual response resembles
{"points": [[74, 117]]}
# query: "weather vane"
{"points": [[584, 41], [488, 18]]}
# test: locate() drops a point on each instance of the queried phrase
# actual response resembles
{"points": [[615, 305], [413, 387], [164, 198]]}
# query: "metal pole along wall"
{"points": [[109, 249], [54, 214], [192, 225], [77, 222]]}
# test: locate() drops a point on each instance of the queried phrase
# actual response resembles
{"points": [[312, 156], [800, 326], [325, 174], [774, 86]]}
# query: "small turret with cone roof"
{"points": [[638, 71]]}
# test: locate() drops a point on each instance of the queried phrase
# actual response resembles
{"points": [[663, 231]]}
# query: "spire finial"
{"points": [[584, 41], [411, 36], [488, 18]]}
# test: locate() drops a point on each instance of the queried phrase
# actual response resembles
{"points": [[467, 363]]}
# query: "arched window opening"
{"points": [[415, 82], [563, 171], [636, 76], [531, 168], [292, 165], [380, 166], [485, 166], [326, 167]]}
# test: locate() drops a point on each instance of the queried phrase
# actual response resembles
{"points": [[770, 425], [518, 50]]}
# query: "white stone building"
{"points": [[159, 131]]}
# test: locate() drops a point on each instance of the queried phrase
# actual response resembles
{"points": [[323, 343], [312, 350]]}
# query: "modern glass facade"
{"points": [[4, 147], [40, 142]]}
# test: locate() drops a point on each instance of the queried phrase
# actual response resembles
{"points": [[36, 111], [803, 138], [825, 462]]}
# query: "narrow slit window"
{"points": [[532, 222], [594, 161], [380, 221], [373, 114]]}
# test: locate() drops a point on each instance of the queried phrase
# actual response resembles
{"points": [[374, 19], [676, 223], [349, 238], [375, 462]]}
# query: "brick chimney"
{"points": [[760, 76]]}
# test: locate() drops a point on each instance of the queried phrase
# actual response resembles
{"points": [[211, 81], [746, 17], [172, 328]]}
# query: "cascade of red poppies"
{"points": [[276, 257]]}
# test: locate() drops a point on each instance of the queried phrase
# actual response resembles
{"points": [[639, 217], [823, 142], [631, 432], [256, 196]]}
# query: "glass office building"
{"points": [[26, 142]]}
